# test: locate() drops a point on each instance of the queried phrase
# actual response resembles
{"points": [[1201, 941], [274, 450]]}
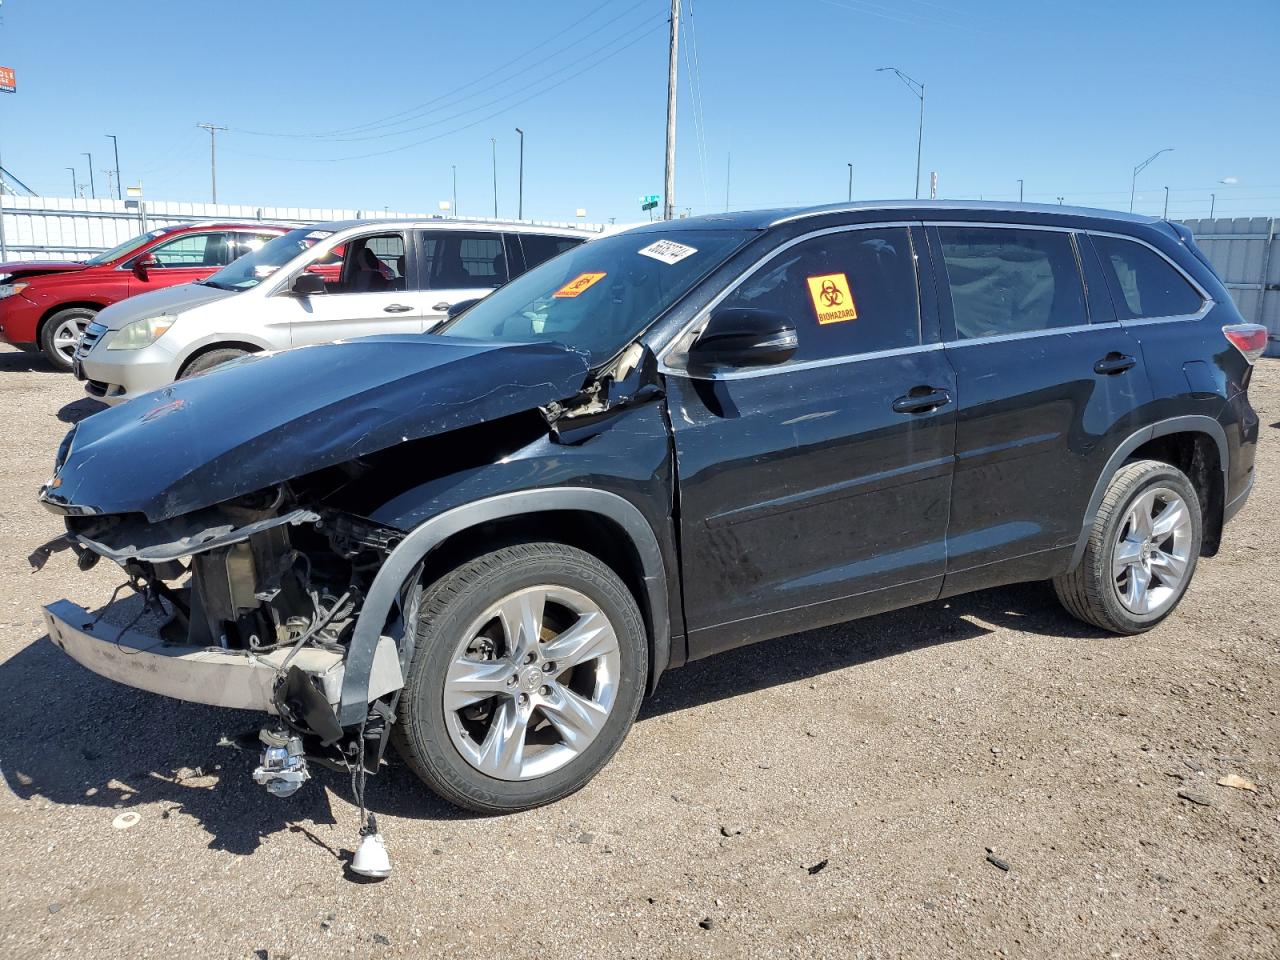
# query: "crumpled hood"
{"points": [[170, 300], [266, 419]]}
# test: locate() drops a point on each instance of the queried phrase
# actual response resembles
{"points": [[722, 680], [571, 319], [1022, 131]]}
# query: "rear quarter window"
{"points": [[539, 248], [1144, 284]]}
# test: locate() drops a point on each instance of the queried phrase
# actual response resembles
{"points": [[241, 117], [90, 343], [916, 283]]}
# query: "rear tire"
{"points": [[496, 723], [207, 361], [61, 333], [1141, 552]]}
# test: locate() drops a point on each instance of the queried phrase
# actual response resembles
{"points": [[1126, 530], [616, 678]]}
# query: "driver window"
{"points": [[195, 250], [374, 264]]}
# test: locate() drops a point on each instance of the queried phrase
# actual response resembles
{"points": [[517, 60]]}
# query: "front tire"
{"points": [[1141, 552], [61, 334], [207, 361], [528, 671]]}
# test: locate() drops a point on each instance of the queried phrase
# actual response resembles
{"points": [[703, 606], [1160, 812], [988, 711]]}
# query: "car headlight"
{"points": [[11, 289], [140, 333]]}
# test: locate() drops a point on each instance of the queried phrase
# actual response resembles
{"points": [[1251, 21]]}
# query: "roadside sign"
{"points": [[8, 80], [649, 201]]}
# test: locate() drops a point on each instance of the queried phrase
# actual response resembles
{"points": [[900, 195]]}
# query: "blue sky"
{"points": [[1067, 96]]}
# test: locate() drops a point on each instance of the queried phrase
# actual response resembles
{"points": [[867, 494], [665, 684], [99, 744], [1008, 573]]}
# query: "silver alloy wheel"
{"points": [[531, 683], [67, 334], [1153, 552]]}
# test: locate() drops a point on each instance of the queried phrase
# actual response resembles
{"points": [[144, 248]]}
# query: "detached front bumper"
{"points": [[219, 678]]}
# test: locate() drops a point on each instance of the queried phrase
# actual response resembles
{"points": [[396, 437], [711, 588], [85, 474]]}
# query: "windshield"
{"points": [[598, 296], [115, 253], [251, 269]]}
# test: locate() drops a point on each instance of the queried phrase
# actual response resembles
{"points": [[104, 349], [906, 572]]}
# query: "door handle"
{"points": [[921, 400], [442, 307], [396, 308], [1114, 363]]}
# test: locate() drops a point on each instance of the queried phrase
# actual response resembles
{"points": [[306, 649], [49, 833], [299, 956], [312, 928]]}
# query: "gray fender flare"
{"points": [[399, 566], [1162, 428]]}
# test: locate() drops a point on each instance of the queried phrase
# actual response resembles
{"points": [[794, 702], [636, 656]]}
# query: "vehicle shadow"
{"points": [[20, 361], [74, 738], [77, 410]]}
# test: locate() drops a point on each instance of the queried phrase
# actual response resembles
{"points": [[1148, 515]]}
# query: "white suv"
{"points": [[332, 281]]}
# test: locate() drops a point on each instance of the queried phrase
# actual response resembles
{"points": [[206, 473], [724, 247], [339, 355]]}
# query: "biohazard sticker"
{"points": [[578, 284], [668, 251], [832, 299]]}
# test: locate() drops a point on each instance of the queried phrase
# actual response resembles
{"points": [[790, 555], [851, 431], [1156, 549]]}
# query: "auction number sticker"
{"points": [[832, 299], [668, 251], [580, 283]]}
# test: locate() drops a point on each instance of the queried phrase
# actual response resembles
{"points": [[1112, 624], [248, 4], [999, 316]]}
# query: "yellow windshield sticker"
{"points": [[832, 299], [578, 284]]}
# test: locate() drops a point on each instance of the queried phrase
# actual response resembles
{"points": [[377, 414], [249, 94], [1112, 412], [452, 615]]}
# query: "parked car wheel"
{"points": [[528, 671], [207, 361], [1141, 552], [61, 334]]}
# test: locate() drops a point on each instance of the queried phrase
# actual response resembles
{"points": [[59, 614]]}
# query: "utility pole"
{"points": [[1059, 201], [455, 189], [115, 146], [213, 155], [1213, 202], [850, 197], [1019, 189], [520, 196], [493, 142], [74, 178], [93, 190], [669, 180], [111, 180], [1166, 203]]}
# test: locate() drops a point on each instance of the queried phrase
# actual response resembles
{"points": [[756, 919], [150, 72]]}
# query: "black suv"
{"points": [[487, 545]]}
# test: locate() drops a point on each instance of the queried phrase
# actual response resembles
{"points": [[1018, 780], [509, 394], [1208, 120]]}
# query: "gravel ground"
{"points": [[977, 777]]}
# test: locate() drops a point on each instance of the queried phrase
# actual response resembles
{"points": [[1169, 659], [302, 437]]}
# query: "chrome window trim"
{"points": [[750, 373], [1206, 306], [697, 324]]}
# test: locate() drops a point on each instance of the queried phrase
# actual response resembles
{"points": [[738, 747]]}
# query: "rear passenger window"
{"points": [[1011, 280], [538, 248], [847, 293], [1147, 283], [469, 260]]}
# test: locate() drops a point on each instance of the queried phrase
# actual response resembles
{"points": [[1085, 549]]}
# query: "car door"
{"points": [[816, 490], [1048, 382], [184, 259], [465, 265], [377, 291]]}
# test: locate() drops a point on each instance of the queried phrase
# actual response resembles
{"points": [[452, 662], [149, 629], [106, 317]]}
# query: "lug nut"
{"points": [[524, 698], [544, 690], [530, 657], [511, 680], [549, 666]]}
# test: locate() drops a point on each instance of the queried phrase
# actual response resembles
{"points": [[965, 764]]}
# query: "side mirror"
{"points": [[457, 308], [744, 337], [305, 284], [141, 265]]}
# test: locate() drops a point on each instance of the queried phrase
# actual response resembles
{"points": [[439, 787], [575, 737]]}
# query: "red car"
{"points": [[46, 305]]}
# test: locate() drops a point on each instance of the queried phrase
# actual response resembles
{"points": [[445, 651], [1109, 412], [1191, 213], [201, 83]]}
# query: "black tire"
{"points": [[80, 316], [1089, 592], [448, 607], [207, 361]]}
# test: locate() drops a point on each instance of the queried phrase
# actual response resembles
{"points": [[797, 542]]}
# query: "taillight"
{"points": [[1249, 338]]}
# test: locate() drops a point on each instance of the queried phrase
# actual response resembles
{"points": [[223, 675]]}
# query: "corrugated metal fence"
{"points": [[39, 228], [1244, 252]]}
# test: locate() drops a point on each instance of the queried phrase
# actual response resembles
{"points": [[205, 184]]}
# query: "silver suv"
{"points": [[314, 284]]}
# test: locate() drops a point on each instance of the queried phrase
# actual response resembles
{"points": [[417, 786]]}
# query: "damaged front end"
{"points": [[236, 507]]}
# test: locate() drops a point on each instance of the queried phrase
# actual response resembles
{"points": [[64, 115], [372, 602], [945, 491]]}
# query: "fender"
{"points": [[385, 590], [1161, 428]]}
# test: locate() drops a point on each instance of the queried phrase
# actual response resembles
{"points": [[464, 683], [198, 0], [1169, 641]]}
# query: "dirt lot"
{"points": [[828, 794]]}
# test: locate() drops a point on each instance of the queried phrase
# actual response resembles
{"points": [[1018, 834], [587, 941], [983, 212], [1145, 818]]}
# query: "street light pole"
{"points": [[850, 198], [493, 142], [455, 189], [93, 190], [1133, 184], [74, 178], [916, 87], [1213, 202], [1166, 203], [1019, 189], [115, 146], [520, 194]]}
